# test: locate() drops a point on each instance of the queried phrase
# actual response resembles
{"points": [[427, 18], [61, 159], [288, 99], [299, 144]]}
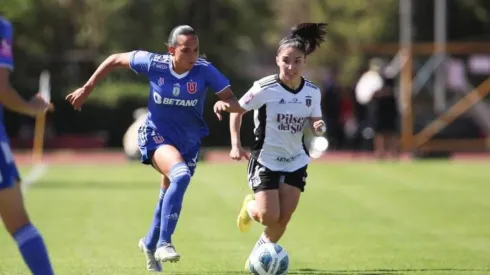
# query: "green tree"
{"points": [[352, 23]]}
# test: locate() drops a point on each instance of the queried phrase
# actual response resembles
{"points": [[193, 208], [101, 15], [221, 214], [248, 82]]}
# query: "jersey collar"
{"points": [[176, 75], [293, 91]]}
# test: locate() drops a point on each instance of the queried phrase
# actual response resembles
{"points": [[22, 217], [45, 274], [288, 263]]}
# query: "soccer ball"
{"points": [[269, 259]]}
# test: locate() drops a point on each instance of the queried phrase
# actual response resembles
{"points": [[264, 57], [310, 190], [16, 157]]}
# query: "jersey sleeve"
{"points": [[6, 38], [140, 61], [215, 79], [253, 99], [317, 106]]}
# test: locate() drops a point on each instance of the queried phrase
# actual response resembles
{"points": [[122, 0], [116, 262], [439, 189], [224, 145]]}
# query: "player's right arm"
{"points": [[253, 99], [114, 61], [14, 102], [8, 96], [138, 61]]}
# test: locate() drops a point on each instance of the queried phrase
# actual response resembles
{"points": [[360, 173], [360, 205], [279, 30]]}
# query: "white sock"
{"points": [[261, 241], [251, 208]]}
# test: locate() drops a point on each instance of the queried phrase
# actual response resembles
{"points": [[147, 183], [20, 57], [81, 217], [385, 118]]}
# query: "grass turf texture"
{"points": [[354, 218]]}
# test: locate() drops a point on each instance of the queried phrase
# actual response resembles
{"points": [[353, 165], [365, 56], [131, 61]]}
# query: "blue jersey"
{"points": [[6, 57], [176, 102], [8, 170]]}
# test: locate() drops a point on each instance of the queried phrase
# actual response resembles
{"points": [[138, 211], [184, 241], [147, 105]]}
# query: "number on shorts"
{"points": [[255, 178]]}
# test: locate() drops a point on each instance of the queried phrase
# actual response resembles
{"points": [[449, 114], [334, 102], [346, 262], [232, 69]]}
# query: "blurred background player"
{"points": [[283, 104], [12, 209], [376, 90], [170, 138]]}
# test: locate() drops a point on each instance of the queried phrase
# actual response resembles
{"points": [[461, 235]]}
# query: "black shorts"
{"points": [[261, 178]]}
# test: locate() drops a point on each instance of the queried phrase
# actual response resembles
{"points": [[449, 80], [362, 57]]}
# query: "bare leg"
{"points": [[379, 146]]}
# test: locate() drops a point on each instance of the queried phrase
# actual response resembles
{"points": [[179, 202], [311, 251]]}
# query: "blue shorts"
{"points": [[149, 140], [8, 170]]}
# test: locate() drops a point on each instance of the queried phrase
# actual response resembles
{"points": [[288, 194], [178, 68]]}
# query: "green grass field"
{"points": [[408, 218]]}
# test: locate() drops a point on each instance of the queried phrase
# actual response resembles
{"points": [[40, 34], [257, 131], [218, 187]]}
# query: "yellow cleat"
{"points": [[244, 221]]}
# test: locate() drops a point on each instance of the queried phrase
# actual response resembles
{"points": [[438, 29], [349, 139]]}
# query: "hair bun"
{"points": [[312, 33]]}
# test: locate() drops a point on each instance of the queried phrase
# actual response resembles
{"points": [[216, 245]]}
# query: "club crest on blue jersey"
{"points": [[191, 87], [161, 81]]}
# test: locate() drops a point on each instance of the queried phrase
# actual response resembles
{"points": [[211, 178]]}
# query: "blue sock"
{"points": [[180, 176], [151, 238], [33, 250]]}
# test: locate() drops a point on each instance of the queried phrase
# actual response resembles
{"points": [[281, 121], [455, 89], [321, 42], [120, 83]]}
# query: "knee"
{"points": [[14, 224], [267, 218], [180, 174]]}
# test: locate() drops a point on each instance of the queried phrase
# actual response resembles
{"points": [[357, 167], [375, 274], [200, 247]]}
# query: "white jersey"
{"points": [[280, 116]]}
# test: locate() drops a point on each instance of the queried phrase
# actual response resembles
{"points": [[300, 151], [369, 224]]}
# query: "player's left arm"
{"points": [[318, 125]]}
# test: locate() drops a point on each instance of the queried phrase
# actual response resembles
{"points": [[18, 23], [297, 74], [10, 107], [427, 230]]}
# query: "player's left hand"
{"points": [[219, 107], [319, 127]]}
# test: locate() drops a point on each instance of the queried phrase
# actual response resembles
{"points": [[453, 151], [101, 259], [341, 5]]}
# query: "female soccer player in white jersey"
{"points": [[283, 105], [170, 138]]}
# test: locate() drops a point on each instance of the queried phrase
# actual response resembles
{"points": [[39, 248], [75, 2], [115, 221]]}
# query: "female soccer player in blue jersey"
{"points": [[12, 210], [170, 138], [283, 104]]}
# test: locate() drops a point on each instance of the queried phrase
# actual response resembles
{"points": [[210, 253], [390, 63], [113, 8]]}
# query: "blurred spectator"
{"points": [[375, 90], [348, 120], [363, 134], [331, 104]]}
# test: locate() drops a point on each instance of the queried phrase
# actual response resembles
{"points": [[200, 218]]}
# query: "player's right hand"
{"points": [[237, 153], [77, 98]]}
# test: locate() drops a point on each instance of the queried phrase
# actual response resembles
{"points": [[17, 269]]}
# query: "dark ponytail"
{"points": [[306, 37]]}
